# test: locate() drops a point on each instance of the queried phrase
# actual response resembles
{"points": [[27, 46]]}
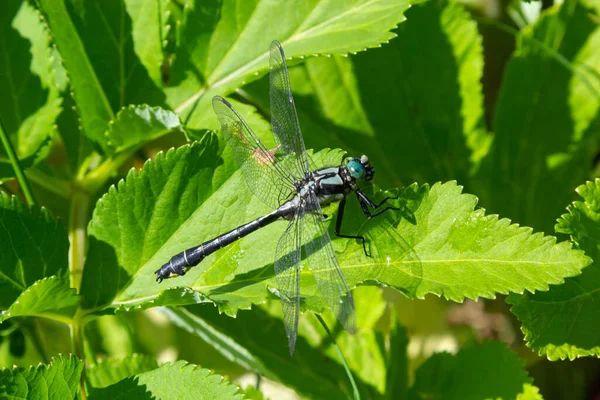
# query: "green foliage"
{"points": [[49, 297], [485, 371], [449, 261], [561, 323], [192, 383], [135, 125], [57, 380], [33, 246], [108, 372], [222, 46], [30, 101], [529, 108], [108, 107]]}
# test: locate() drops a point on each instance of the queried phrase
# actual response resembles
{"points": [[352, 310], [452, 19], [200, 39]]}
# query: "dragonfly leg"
{"points": [[365, 201], [338, 226], [384, 200]]}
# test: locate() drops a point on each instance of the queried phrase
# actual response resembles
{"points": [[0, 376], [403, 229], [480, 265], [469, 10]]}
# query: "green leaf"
{"points": [[148, 21], [219, 51], [104, 74], [544, 134], [437, 244], [483, 371], [30, 102], [32, 246], [325, 378], [363, 351], [49, 297], [530, 392], [259, 351], [170, 381], [223, 343], [250, 392], [110, 371], [106, 274], [562, 323], [394, 104], [139, 124], [58, 380], [77, 145], [396, 383]]}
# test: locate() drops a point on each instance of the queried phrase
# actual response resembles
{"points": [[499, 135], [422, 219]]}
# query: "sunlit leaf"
{"points": [[32, 246], [530, 392], [440, 244], [57, 380], [563, 322], [49, 297], [413, 118], [224, 45], [170, 381]]}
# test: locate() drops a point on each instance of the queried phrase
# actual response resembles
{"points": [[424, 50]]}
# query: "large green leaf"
{"points": [[104, 74], [32, 246], [415, 119], [194, 171], [171, 381], [223, 45], [49, 297], [544, 133], [437, 244], [30, 102], [563, 322], [58, 380], [484, 371]]}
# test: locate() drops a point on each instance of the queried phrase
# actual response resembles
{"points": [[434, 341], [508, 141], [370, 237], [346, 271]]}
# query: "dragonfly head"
{"points": [[360, 168]]}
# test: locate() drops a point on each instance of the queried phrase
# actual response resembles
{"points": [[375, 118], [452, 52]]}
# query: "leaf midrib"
{"points": [[304, 272]]}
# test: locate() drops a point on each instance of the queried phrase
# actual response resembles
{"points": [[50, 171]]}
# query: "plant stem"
{"points": [[77, 347], [342, 359], [78, 219], [14, 160]]}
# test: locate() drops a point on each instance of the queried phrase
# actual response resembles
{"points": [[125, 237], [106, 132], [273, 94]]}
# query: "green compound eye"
{"points": [[356, 169]]}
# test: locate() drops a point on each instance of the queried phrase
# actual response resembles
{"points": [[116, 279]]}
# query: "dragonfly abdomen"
{"points": [[180, 263]]}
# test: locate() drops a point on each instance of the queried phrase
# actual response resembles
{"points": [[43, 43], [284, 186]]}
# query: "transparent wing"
{"points": [[323, 264], [284, 120], [287, 275], [264, 174]]}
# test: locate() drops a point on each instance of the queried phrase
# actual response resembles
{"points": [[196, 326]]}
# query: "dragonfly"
{"points": [[286, 179]]}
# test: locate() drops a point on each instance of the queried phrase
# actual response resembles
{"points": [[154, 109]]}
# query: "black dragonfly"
{"points": [[296, 190]]}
